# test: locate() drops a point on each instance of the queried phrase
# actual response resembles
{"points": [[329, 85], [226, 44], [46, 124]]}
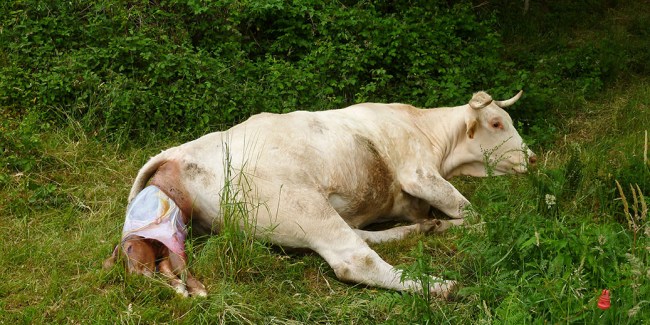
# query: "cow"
{"points": [[317, 179]]}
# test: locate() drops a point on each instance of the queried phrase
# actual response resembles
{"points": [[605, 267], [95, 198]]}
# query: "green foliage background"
{"points": [[126, 68], [198, 65]]}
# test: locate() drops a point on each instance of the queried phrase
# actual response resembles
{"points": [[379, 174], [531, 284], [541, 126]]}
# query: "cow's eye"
{"points": [[497, 125]]}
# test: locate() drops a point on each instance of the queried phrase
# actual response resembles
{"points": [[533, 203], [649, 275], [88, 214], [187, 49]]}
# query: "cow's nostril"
{"points": [[532, 159]]}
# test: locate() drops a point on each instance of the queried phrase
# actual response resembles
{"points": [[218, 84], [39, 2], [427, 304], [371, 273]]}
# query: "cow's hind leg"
{"points": [[303, 217], [344, 250], [353, 260]]}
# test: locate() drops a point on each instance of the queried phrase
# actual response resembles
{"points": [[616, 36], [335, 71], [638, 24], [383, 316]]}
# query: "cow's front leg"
{"points": [[438, 192], [398, 233]]}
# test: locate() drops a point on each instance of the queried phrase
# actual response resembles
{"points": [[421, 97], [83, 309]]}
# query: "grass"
{"points": [[524, 260]]}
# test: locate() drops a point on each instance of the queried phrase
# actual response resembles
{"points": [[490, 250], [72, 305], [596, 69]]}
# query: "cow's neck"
{"points": [[446, 129]]}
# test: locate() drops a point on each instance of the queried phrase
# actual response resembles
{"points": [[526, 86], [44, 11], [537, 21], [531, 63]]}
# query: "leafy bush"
{"points": [[176, 66], [20, 146], [188, 67]]}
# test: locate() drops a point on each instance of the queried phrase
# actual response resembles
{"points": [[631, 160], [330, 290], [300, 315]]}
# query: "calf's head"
{"points": [[492, 141]]}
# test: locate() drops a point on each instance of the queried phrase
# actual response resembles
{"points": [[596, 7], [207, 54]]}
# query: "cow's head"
{"points": [[492, 140]]}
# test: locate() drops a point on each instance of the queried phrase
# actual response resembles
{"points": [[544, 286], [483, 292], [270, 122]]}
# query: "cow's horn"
{"points": [[508, 102], [480, 100]]}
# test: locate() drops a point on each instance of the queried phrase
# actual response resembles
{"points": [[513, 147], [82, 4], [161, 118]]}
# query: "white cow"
{"points": [[316, 179]]}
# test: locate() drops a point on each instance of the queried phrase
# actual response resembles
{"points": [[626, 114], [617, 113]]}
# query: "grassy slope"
{"points": [[522, 261]]}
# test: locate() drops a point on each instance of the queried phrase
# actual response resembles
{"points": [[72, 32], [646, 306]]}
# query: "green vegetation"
{"points": [[89, 91]]}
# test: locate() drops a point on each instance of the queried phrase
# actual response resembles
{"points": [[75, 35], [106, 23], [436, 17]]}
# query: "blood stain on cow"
{"points": [[192, 171]]}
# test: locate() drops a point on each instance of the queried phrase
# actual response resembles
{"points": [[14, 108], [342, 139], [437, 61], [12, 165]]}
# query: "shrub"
{"points": [[176, 66], [188, 67]]}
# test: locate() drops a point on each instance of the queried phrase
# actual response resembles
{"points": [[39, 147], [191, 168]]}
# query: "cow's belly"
{"points": [[361, 209], [396, 206], [346, 168]]}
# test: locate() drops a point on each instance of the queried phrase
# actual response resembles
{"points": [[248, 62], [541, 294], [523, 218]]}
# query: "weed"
{"points": [[237, 248], [637, 220]]}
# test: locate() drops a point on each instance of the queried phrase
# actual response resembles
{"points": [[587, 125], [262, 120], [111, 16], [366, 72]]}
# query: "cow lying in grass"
{"points": [[319, 178]]}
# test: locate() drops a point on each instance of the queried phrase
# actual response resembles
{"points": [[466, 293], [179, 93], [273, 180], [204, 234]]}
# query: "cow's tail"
{"points": [[147, 171]]}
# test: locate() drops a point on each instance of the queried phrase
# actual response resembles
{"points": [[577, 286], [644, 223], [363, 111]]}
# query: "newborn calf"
{"points": [[153, 239]]}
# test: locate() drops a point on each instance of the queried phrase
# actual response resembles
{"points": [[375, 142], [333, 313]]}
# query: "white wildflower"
{"points": [[550, 200]]}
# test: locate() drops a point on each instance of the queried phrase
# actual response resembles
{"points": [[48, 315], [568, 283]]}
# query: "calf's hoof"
{"points": [[194, 292], [196, 288], [181, 290]]}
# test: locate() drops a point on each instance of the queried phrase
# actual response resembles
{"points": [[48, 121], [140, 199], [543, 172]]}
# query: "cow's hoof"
{"points": [[434, 226], [469, 214], [429, 225], [444, 289]]}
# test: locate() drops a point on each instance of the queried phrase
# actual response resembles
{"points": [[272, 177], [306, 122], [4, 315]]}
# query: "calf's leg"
{"points": [[175, 269], [165, 267], [141, 256]]}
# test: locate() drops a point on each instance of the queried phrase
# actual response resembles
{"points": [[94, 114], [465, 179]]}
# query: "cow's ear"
{"points": [[472, 124]]}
